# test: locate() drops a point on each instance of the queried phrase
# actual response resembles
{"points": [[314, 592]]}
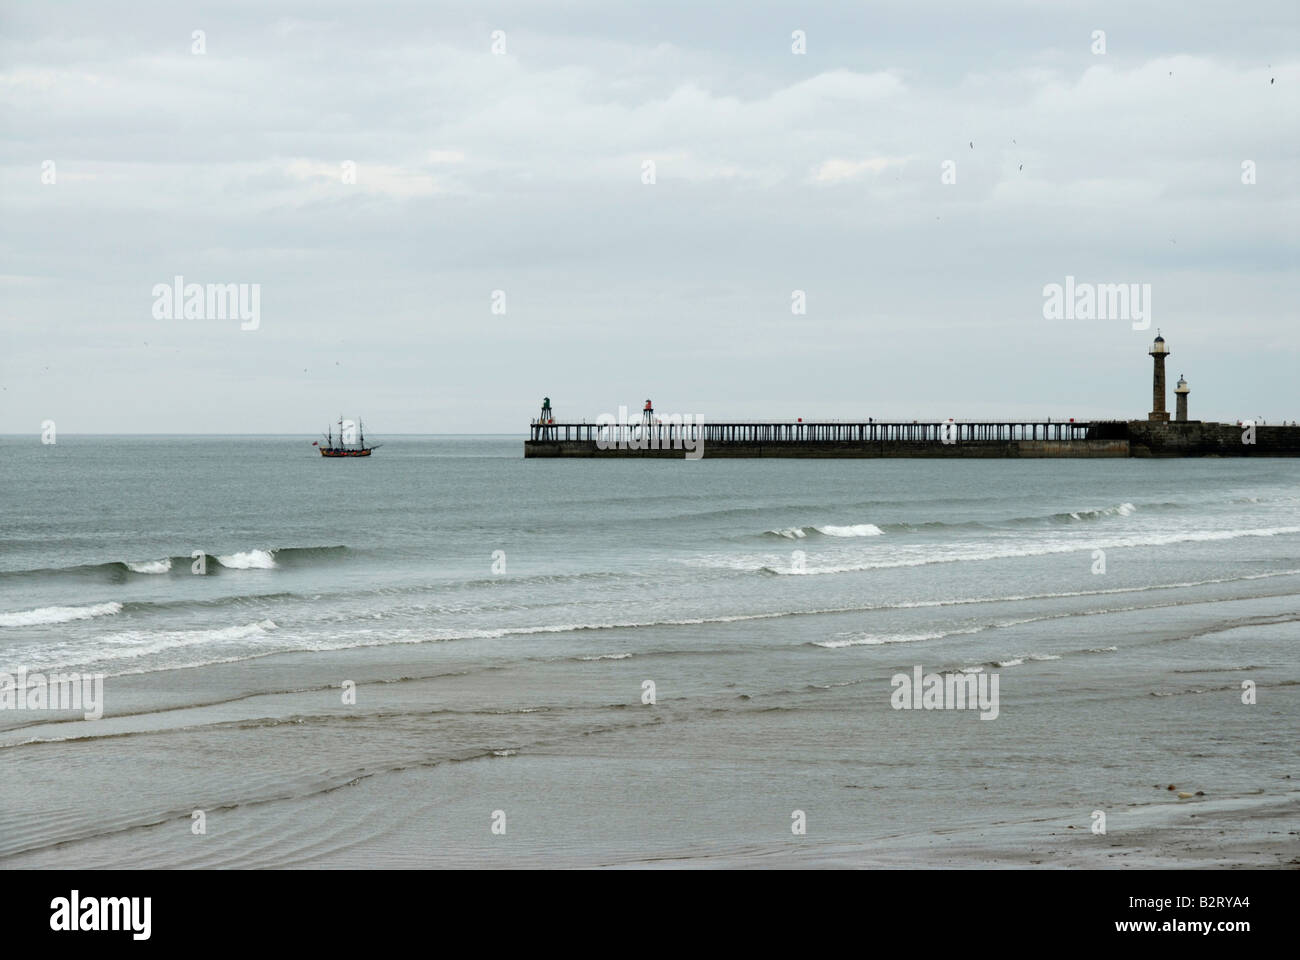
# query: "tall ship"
{"points": [[344, 447]]}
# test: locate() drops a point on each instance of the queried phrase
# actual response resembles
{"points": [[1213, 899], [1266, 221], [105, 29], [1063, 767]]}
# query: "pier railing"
{"points": [[671, 433]]}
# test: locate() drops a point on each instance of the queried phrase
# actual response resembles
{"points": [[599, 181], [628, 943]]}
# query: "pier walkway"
{"points": [[672, 433]]}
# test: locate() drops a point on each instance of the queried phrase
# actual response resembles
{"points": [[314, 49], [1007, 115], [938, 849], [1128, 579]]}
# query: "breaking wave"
{"points": [[44, 615], [1120, 510], [248, 560], [856, 530], [139, 643], [149, 566], [1026, 658], [1125, 509], [120, 571], [853, 530], [874, 639], [947, 554]]}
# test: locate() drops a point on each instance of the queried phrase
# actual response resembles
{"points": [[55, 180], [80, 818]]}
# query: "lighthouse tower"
{"points": [[1158, 353], [1180, 399], [548, 415], [648, 413]]}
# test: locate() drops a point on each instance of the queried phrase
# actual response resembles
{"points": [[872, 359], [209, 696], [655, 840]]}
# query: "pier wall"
{"points": [[834, 450], [967, 440], [1195, 438]]}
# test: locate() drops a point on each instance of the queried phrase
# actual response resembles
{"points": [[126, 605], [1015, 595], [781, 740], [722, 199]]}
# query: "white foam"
{"points": [[875, 639], [830, 530], [248, 560], [608, 656], [42, 615], [150, 566], [1119, 510], [855, 530], [980, 551], [790, 533], [139, 643], [1017, 661]]}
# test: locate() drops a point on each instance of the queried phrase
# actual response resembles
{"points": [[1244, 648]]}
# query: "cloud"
{"points": [[837, 170], [398, 183], [774, 172]]}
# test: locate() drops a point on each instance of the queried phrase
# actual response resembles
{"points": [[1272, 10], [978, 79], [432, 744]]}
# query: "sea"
{"points": [[447, 655]]}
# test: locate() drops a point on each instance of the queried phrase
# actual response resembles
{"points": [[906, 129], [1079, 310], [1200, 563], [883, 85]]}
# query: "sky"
{"points": [[448, 211]]}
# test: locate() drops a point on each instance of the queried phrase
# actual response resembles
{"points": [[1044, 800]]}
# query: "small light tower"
{"points": [[1158, 353], [1180, 399], [548, 415], [648, 413]]}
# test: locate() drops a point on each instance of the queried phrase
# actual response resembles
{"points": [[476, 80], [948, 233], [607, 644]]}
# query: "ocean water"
{"points": [[499, 622]]}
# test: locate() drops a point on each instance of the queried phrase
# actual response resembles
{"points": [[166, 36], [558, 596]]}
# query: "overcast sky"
{"points": [[480, 171]]}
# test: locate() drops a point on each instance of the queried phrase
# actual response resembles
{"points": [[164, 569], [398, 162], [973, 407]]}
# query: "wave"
{"points": [[872, 530], [1121, 510], [1022, 659], [1030, 658], [790, 533], [149, 566], [869, 639], [1067, 517], [44, 615], [538, 579], [830, 530], [118, 571], [248, 560], [973, 553], [131, 644], [875, 639], [857, 530], [354, 639]]}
